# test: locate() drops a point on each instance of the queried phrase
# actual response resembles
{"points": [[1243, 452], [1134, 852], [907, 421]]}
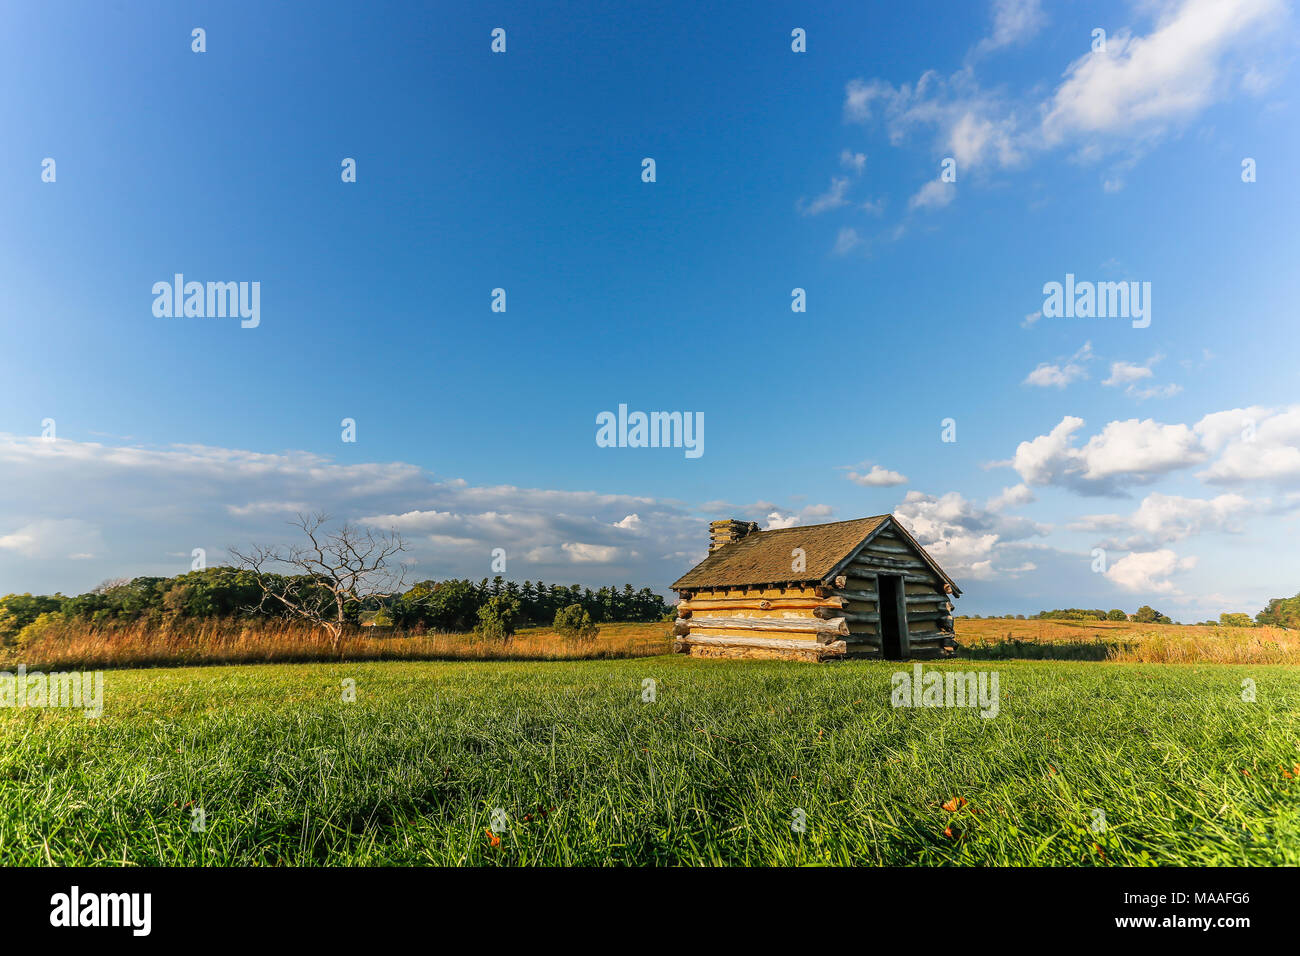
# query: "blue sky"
{"points": [[1175, 447]]}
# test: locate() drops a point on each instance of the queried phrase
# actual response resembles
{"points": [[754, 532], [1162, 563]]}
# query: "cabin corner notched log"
{"points": [[860, 588]]}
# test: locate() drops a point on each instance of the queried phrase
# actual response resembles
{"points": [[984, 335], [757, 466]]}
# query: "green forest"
{"points": [[227, 592]]}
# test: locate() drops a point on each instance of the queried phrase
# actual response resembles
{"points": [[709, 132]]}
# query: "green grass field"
{"points": [[711, 772]]}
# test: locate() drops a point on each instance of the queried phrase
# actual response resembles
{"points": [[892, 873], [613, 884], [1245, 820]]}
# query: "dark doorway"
{"points": [[889, 595]]}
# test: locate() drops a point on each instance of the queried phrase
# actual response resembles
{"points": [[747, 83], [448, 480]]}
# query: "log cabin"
{"points": [[861, 588]]}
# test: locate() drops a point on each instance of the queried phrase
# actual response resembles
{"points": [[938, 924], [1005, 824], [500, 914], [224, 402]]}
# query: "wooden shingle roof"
{"points": [[764, 557]]}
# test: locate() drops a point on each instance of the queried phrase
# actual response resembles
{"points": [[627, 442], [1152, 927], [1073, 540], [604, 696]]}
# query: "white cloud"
{"points": [[55, 538], [777, 520], [1257, 445], [1121, 101], [1142, 85], [963, 538], [1139, 449], [268, 508], [1148, 572], [1010, 497], [133, 509], [973, 125], [1163, 519], [1129, 451], [1125, 373], [854, 162], [1055, 376], [1218, 429], [1014, 21], [933, 195], [833, 198], [847, 240], [877, 477], [582, 553], [1251, 444], [1155, 391], [1128, 374]]}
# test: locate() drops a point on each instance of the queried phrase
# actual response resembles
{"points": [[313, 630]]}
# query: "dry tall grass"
{"points": [[1127, 641], [67, 646]]}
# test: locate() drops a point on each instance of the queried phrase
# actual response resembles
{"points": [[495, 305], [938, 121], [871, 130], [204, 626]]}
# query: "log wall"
{"points": [[795, 623], [929, 606]]}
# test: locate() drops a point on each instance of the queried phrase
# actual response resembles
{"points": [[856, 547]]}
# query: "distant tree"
{"points": [[1115, 614], [17, 611], [1281, 612], [575, 623], [334, 573], [1235, 620], [528, 602], [497, 619], [453, 605], [1146, 614]]}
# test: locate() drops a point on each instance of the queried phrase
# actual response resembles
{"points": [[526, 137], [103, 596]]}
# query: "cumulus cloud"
{"points": [[1061, 373], [133, 509], [965, 539], [877, 477], [1148, 572], [1138, 450], [1047, 375], [583, 553], [1124, 452], [1256, 444], [777, 520], [1010, 497], [1163, 519], [1125, 373], [1128, 374]]}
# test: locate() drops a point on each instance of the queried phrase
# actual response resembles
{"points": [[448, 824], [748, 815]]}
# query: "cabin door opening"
{"points": [[889, 598]]}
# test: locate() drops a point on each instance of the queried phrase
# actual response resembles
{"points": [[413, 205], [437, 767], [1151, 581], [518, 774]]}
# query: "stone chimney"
{"points": [[724, 532]]}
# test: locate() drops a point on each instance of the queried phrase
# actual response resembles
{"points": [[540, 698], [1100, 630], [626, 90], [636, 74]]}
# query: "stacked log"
{"points": [[778, 622]]}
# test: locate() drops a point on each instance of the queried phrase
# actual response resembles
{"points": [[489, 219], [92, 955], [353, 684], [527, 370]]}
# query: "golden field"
{"points": [[232, 642], [1126, 641]]}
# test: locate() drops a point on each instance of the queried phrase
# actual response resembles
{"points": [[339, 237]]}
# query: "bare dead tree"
{"points": [[316, 581]]}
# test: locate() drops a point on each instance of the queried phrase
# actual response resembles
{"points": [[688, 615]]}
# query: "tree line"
{"points": [[229, 592], [1280, 612]]}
